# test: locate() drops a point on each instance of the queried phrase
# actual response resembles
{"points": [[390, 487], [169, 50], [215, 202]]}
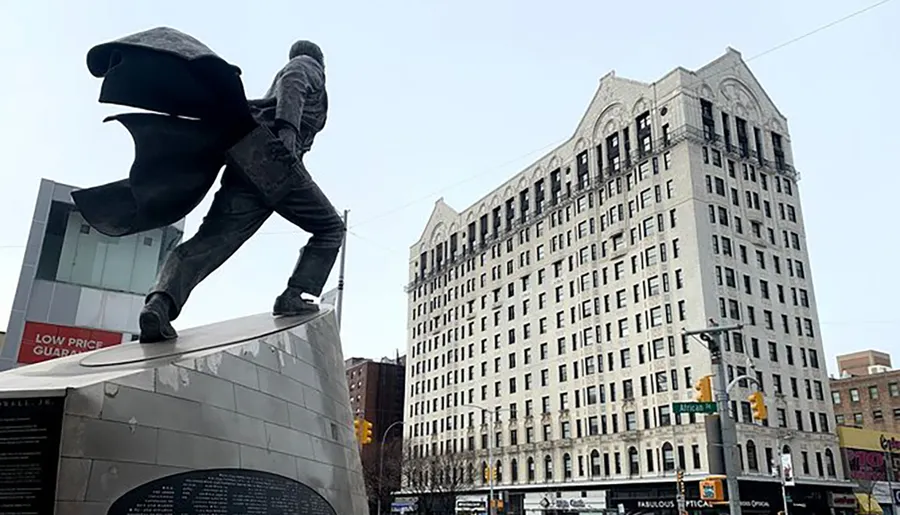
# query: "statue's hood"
{"points": [[166, 71]]}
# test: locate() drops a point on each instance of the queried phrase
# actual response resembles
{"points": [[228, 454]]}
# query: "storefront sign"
{"points": [[853, 438], [657, 504], [866, 465], [690, 504], [842, 501], [405, 505], [889, 442], [596, 501], [471, 503], [41, 342]]}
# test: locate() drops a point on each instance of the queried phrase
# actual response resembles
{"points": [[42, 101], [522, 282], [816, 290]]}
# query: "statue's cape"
{"points": [[178, 154]]}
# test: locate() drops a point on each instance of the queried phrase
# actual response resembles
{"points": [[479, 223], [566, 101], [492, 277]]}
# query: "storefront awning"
{"points": [[868, 505]]}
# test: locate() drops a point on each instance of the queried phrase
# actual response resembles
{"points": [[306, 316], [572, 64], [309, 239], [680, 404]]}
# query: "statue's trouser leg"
{"points": [[235, 215], [307, 207]]}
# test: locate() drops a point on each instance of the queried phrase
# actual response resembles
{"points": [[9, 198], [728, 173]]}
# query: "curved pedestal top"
{"points": [[220, 334]]}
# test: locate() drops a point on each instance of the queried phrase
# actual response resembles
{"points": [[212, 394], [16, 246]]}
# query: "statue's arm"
{"points": [[296, 83]]}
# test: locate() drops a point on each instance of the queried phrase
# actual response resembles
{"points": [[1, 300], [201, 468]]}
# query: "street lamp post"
{"points": [[491, 466], [381, 463], [713, 337]]}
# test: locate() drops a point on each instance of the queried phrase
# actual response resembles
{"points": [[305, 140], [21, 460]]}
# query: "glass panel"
{"points": [[73, 252]]}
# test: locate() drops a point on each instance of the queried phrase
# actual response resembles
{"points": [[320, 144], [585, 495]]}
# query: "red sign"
{"points": [[41, 342]]}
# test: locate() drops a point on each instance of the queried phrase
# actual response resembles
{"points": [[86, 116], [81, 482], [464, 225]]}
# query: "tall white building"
{"points": [[560, 297]]}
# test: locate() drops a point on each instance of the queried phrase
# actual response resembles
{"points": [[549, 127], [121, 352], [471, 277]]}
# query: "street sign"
{"points": [[694, 407]]}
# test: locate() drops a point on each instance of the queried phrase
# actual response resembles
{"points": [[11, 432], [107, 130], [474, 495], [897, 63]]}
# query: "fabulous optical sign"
{"points": [[693, 504]]}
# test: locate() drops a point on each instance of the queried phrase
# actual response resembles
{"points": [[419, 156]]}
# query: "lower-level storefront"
{"points": [[756, 498], [651, 498]]}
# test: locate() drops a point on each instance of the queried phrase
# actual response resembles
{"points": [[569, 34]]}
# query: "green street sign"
{"points": [[694, 407]]}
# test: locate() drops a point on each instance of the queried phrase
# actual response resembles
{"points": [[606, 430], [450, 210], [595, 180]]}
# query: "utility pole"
{"points": [[340, 292], [712, 336], [490, 470], [494, 414]]}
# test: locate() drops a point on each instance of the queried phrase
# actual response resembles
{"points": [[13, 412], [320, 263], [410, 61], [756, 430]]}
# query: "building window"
{"points": [[595, 463], [836, 397], [873, 392], [894, 389], [634, 464], [829, 463], [854, 395], [668, 457], [752, 458]]}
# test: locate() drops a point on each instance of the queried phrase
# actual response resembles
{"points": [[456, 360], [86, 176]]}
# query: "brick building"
{"points": [[867, 395], [376, 395], [376, 390], [863, 363]]}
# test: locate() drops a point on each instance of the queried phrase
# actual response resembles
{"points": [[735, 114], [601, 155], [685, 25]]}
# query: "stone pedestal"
{"points": [[245, 416]]}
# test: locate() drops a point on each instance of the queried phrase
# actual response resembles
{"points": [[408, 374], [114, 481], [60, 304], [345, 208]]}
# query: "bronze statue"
{"points": [[207, 122]]}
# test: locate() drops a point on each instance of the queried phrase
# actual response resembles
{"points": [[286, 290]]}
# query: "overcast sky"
{"points": [[440, 98]]}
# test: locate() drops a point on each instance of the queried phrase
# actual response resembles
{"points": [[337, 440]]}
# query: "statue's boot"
{"points": [[155, 319], [309, 274], [292, 303]]}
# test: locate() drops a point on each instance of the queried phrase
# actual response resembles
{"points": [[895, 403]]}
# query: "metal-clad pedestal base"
{"points": [[248, 405]]}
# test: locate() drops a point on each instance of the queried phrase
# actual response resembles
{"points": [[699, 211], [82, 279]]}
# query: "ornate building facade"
{"points": [[555, 304]]}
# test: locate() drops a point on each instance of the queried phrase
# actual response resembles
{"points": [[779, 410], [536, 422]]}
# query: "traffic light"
{"points": [[679, 480], [489, 473], [362, 428], [366, 432], [703, 389], [758, 406]]}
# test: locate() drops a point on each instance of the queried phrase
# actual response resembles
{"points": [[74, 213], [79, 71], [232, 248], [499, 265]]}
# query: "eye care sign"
{"points": [[41, 342]]}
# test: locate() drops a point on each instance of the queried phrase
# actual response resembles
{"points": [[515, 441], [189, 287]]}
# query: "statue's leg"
{"points": [[307, 207], [235, 215]]}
